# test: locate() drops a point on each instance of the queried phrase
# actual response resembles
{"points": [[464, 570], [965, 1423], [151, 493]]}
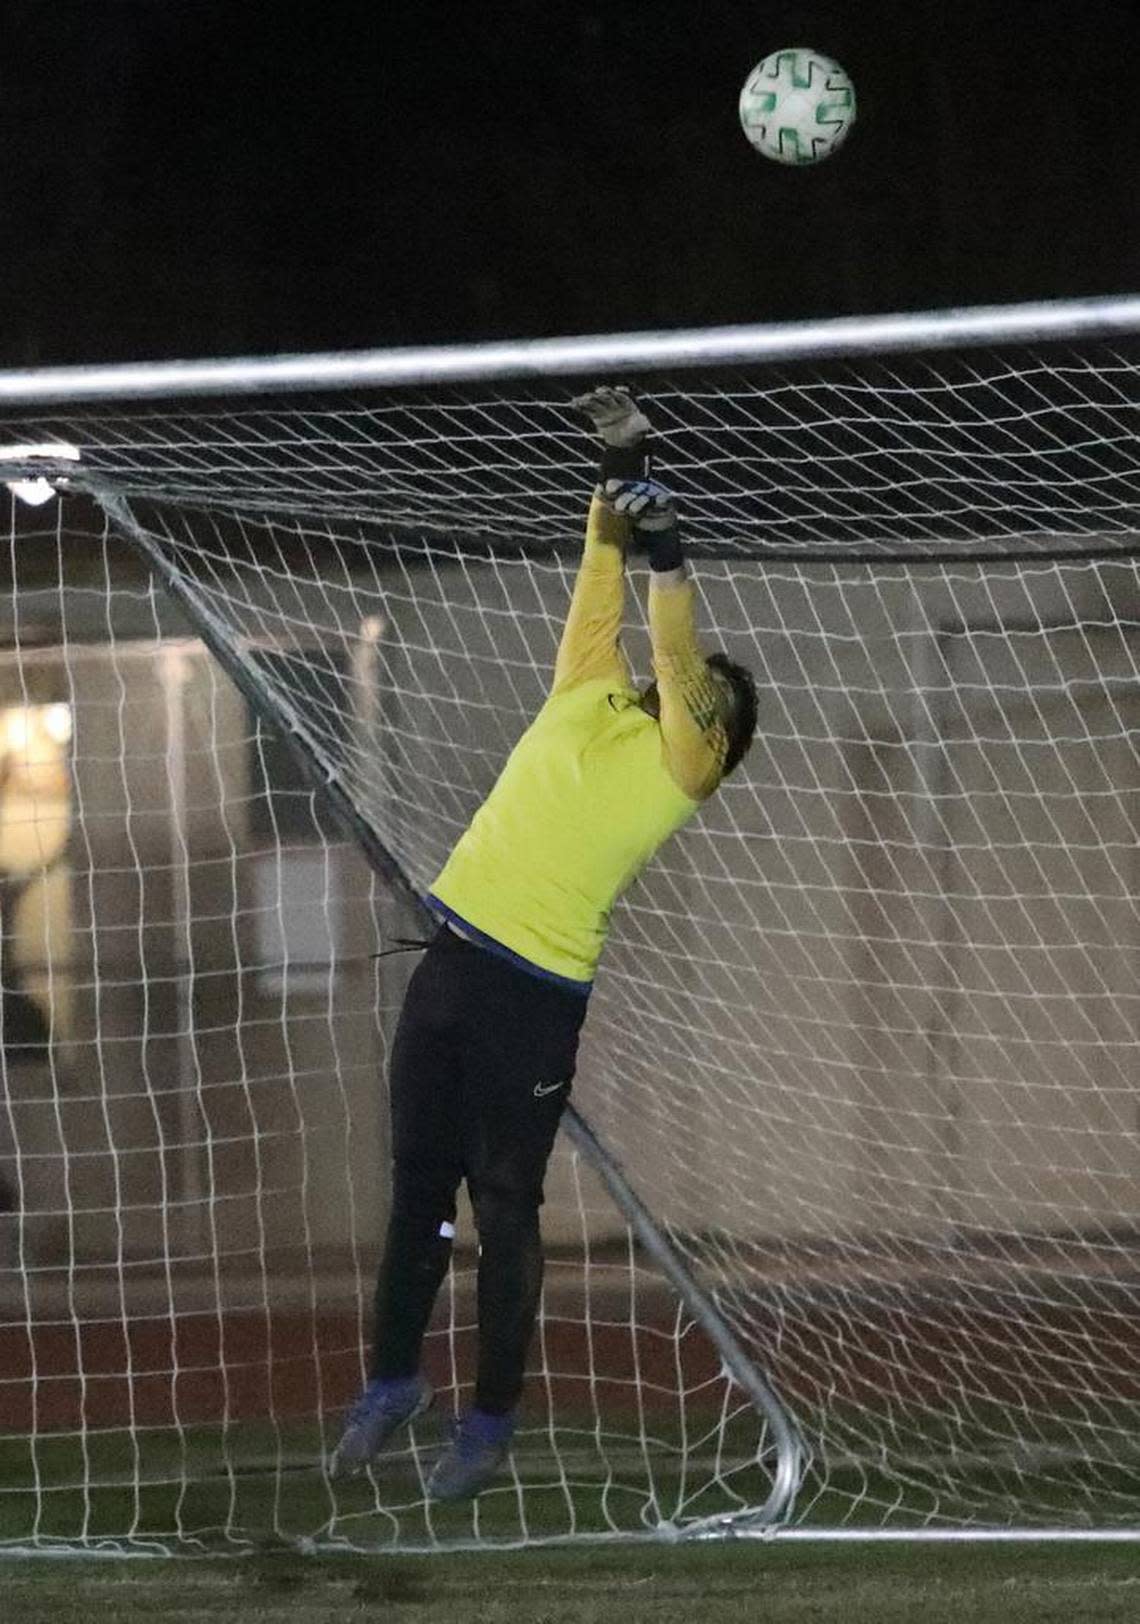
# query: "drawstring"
{"points": [[404, 944]]}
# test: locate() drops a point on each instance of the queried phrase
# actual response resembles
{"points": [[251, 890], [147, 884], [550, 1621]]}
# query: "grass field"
{"points": [[133, 1465], [209, 1490], [788, 1583], [217, 1488]]}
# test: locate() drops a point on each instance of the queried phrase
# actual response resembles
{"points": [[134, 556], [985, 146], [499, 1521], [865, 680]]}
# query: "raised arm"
{"points": [[692, 703], [693, 734], [590, 646]]}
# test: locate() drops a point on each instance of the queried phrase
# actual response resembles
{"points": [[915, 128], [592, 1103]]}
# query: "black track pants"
{"points": [[481, 1067]]}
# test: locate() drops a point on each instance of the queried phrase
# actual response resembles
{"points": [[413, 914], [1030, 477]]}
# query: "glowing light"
{"points": [[36, 733], [16, 729], [57, 722]]}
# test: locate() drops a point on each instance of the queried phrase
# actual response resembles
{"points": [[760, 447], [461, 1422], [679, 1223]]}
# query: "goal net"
{"points": [[864, 1046]]}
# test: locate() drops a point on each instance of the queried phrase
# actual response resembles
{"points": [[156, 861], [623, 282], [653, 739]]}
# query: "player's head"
{"points": [[738, 687]]}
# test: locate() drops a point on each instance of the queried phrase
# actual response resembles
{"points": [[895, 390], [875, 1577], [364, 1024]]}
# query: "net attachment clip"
{"points": [[35, 492]]}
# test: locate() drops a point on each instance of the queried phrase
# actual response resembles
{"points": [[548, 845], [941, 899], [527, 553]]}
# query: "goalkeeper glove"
{"points": [[622, 428], [651, 510]]}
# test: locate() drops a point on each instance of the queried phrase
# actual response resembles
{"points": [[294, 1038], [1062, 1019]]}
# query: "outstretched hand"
{"points": [[652, 512], [616, 416], [645, 503]]}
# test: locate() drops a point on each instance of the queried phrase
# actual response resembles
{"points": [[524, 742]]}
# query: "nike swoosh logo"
{"points": [[547, 1088]]}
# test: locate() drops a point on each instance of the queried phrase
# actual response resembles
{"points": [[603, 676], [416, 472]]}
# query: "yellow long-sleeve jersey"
{"points": [[595, 784]]}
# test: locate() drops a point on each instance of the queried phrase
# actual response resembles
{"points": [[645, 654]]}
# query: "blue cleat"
{"points": [[480, 1446], [382, 1408]]}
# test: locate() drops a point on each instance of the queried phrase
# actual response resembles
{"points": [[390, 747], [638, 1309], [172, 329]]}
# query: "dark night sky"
{"points": [[196, 177]]}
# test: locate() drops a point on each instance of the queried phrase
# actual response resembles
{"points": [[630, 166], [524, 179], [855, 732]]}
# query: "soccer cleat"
{"points": [[382, 1408], [479, 1447]]}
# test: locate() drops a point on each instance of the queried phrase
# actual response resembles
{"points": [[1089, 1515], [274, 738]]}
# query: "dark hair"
{"points": [[743, 723]]}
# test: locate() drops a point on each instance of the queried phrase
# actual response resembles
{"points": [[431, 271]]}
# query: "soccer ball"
{"points": [[797, 106]]}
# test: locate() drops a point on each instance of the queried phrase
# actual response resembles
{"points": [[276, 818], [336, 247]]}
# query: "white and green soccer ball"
{"points": [[797, 106]]}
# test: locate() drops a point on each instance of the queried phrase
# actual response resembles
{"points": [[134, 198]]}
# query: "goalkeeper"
{"points": [[485, 1049]]}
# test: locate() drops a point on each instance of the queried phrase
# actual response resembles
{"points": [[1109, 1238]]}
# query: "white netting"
{"points": [[973, 452], [867, 1035], [192, 1137]]}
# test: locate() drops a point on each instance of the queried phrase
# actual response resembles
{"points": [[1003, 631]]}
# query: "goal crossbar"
{"points": [[599, 354]]}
